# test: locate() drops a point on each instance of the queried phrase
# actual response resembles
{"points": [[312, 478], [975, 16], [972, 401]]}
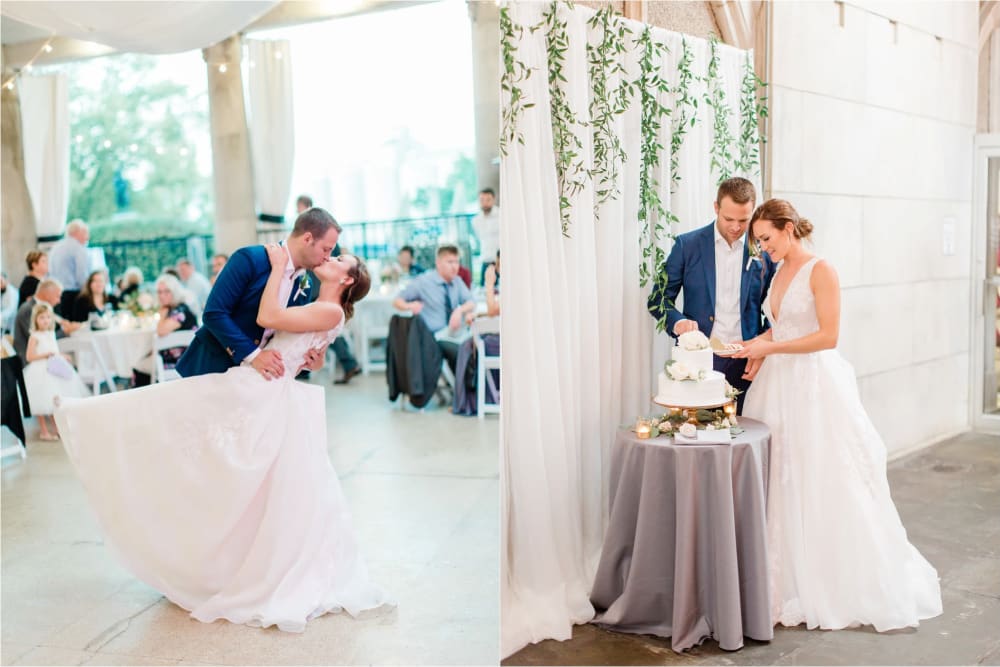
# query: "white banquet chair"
{"points": [[485, 364], [171, 340], [89, 364]]}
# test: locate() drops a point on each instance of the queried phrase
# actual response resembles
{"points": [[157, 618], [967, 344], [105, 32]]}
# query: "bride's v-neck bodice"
{"points": [[797, 316], [293, 346]]}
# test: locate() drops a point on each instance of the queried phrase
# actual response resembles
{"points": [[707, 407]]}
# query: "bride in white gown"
{"points": [[217, 490], [838, 553]]}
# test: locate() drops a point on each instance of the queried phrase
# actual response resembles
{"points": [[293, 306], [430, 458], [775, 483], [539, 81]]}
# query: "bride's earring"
{"points": [[343, 280]]}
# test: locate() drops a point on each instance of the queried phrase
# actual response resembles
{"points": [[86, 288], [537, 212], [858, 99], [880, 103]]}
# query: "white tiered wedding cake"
{"points": [[688, 380]]}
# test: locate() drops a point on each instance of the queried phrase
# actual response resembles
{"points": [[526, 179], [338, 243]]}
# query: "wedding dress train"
{"points": [[217, 490], [838, 553]]}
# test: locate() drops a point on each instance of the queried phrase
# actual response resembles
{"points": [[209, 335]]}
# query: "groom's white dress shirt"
{"points": [[728, 262], [291, 274]]}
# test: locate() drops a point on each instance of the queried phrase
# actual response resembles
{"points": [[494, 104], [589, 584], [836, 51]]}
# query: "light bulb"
{"points": [[47, 48], [278, 55], [222, 69], [107, 143]]}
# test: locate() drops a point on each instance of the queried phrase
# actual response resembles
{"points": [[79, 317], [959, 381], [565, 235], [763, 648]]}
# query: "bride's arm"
{"points": [[320, 316], [826, 292]]}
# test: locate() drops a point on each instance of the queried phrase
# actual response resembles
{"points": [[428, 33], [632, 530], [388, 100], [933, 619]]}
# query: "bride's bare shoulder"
{"points": [[824, 275]]}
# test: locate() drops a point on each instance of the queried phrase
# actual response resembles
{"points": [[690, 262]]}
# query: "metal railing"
{"points": [[151, 256], [381, 239]]}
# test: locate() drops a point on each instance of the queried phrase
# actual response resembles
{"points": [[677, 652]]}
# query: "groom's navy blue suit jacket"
{"points": [[691, 267], [229, 330]]}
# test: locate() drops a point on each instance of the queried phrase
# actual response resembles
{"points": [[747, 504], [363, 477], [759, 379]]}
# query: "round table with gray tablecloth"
{"points": [[685, 553]]}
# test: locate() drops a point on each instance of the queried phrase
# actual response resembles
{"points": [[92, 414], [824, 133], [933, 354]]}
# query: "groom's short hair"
{"points": [[740, 190], [317, 221]]}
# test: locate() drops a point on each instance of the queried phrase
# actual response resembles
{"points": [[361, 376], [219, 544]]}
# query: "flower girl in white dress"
{"points": [[48, 373]]}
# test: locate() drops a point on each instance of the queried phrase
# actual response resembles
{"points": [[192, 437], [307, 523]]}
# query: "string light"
{"points": [[222, 69], [27, 67]]}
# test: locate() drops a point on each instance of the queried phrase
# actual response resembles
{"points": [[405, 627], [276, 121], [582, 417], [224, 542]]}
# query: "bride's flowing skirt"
{"points": [[839, 555], [218, 491]]}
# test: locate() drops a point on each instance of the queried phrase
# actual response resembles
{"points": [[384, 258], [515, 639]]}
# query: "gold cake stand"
{"points": [[690, 411]]}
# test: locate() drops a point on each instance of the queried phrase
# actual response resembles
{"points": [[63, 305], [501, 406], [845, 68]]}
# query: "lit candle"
{"points": [[729, 409], [642, 430]]}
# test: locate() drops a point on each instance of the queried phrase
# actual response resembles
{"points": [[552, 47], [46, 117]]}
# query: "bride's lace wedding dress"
{"points": [[217, 490], [838, 553]]}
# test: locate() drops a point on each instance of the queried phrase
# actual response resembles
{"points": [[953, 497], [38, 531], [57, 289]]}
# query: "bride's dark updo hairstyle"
{"points": [[781, 214], [356, 290]]}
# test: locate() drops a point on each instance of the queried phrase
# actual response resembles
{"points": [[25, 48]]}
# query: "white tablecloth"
{"points": [[120, 349]]}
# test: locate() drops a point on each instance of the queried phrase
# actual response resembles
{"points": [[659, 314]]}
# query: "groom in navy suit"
{"points": [[723, 285], [230, 335]]}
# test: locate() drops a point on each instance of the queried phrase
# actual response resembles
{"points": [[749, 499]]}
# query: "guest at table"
{"points": [[8, 304], [38, 268], [443, 300], [49, 373], [487, 227], [131, 282], [406, 266], [93, 298], [70, 264], [491, 284], [195, 283], [49, 291], [174, 316], [218, 262]]}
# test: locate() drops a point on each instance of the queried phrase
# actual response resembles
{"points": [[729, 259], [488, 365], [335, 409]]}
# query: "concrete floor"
{"points": [[949, 499], [423, 488]]}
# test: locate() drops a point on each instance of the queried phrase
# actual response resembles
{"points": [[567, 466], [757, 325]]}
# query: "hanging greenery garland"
{"points": [[752, 109], [722, 137], [652, 215], [514, 72], [607, 101], [571, 170]]}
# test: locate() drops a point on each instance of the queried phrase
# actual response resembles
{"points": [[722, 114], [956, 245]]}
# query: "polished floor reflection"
{"points": [[423, 488]]}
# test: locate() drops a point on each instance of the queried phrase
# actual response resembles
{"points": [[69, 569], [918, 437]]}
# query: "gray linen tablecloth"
{"points": [[685, 554]]}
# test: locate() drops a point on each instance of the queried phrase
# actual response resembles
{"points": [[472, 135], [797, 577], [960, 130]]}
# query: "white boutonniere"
{"points": [[303, 286], [753, 252]]}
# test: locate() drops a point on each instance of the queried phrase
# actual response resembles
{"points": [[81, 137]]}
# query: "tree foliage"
{"points": [[133, 134]]}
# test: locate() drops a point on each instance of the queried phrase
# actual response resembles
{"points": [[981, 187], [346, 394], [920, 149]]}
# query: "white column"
{"points": [[485, 20], [18, 215]]}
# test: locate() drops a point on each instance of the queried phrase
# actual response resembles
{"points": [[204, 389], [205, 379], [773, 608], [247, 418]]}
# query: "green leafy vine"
{"points": [[571, 170], [652, 214], [514, 72], [684, 118], [752, 108], [607, 101], [722, 137]]}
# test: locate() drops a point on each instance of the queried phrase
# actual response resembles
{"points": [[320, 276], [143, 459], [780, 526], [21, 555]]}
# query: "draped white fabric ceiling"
{"points": [[140, 27]]}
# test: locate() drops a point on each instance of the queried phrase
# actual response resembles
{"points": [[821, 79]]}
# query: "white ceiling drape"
{"points": [[141, 27], [45, 136], [271, 124]]}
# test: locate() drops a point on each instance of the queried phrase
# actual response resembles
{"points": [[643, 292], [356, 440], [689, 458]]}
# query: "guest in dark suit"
{"points": [[723, 285], [230, 335]]}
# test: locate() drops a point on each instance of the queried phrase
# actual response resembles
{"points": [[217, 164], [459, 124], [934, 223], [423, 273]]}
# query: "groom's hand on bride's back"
{"points": [[269, 364]]}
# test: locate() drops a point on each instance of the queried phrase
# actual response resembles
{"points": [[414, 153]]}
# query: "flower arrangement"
{"points": [[693, 340], [689, 422], [390, 273], [140, 303], [681, 372]]}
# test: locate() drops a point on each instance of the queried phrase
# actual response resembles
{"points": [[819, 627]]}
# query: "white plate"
{"points": [[727, 353]]}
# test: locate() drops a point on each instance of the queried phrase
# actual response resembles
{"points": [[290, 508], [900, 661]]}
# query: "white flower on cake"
{"points": [[679, 371], [688, 430], [693, 340]]}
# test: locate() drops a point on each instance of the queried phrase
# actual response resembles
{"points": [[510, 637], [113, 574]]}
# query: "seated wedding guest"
{"points": [[443, 300], [8, 304], [195, 283], [48, 374], [49, 291], [491, 283], [174, 316], [38, 268], [404, 260], [131, 282], [93, 298], [218, 261]]}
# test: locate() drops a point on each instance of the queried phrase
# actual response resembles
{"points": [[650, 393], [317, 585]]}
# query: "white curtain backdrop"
{"points": [[45, 138], [141, 27], [271, 123], [579, 349]]}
